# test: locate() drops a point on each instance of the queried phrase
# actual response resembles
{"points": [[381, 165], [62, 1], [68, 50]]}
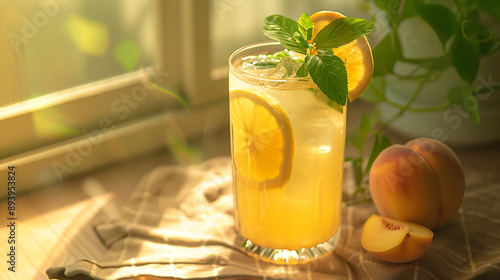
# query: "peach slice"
{"points": [[393, 240]]}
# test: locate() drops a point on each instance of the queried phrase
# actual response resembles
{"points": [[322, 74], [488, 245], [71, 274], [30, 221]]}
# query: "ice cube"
{"points": [[259, 65], [259, 62], [286, 68]]}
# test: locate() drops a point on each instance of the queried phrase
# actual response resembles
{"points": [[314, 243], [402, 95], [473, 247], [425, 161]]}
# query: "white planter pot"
{"points": [[453, 124]]}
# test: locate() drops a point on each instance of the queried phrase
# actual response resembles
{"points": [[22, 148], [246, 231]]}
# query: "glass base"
{"points": [[284, 256]]}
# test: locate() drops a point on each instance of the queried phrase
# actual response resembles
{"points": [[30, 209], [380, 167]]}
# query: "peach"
{"points": [[394, 240], [421, 182]]}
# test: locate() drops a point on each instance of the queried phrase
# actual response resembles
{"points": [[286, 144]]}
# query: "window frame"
{"points": [[183, 66]]}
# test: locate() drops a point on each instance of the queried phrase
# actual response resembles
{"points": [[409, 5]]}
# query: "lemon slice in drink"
{"points": [[263, 143]]}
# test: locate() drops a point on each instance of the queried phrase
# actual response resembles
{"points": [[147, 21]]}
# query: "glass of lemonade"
{"points": [[287, 147]]}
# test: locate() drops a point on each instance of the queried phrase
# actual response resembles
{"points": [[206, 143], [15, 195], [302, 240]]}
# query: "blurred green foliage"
{"points": [[465, 39]]}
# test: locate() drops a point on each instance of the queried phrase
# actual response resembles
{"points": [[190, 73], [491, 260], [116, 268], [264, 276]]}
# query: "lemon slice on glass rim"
{"points": [[357, 55], [263, 142]]}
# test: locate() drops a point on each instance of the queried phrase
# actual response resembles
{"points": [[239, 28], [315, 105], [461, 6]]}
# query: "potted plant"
{"points": [[437, 69], [437, 75]]}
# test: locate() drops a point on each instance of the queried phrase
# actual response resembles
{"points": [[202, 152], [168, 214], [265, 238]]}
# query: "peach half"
{"points": [[421, 182], [393, 240]]}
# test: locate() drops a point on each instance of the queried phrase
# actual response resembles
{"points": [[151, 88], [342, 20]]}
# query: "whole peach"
{"points": [[421, 182], [450, 174]]}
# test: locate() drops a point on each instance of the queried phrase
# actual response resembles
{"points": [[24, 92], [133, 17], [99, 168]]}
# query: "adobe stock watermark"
{"points": [[406, 166], [456, 113], [31, 25], [221, 7], [121, 108]]}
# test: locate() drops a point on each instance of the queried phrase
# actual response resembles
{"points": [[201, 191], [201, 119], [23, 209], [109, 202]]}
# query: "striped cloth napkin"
{"points": [[178, 224]]}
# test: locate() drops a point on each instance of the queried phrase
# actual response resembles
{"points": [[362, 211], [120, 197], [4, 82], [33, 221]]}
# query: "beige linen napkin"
{"points": [[178, 224]]}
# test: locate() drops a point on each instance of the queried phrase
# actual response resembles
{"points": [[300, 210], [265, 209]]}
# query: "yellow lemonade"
{"points": [[287, 145]]}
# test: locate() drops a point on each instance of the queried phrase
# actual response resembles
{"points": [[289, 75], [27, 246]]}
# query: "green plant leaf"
{"points": [[375, 92], [382, 4], [306, 26], [396, 11], [409, 9], [432, 64], [329, 74], [359, 188], [300, 40], [489, 47], [491, 7], [342, 31], [358, 172], [302, 71], [335, 107], [326, 69], [281, 29], [363, 129], [384, 56], [441, 19], [461, 98], [379, 144], [474, 31], [465, 56]]}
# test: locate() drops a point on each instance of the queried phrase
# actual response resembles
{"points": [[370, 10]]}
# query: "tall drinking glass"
{"points": [[287, 148]]}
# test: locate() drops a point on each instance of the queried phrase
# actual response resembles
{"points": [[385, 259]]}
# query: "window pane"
{"points": [[61, 44], [235, 23]]}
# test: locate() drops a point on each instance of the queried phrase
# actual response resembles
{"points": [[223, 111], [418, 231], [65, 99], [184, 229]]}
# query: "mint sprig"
{"points": [[282, 29], [342, 31], [329, 73], [306, 26], [326, 69]]}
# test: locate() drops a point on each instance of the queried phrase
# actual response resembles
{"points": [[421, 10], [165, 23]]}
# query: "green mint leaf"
{"points": [[329, 73], [326, 52], [302, 71], [335, 106], [265, 64], [299, 39], [342, 31], [306, 26], [280, 54], [281, 29]]}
